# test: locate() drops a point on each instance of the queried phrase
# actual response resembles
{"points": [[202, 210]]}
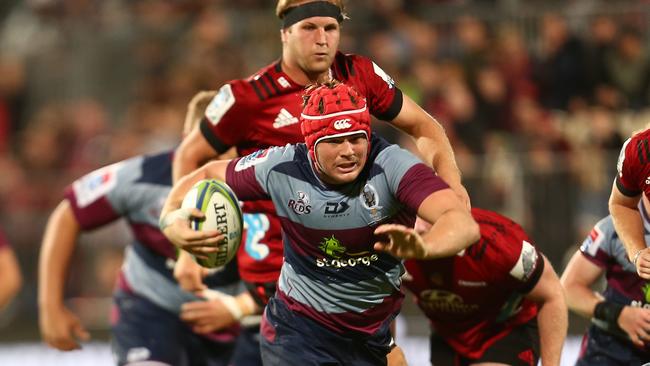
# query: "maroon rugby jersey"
{"points": [[475, 298], [263, 110], [633, 165]]}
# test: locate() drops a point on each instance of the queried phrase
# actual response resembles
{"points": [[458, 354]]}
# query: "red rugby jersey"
{"points": [[263, 110], [475, 298]]}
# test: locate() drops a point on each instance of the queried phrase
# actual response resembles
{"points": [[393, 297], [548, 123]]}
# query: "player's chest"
{"points": [[277, 121]]}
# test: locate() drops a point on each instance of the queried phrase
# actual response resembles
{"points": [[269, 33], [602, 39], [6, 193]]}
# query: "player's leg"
{"points": [[290, 339], [441, 353], [247, 347], [519, 348], [144, 332], [603, 349]]}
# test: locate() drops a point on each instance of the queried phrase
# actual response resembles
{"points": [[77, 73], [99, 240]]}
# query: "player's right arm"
{"points": [[60, 328], [623, 200]]}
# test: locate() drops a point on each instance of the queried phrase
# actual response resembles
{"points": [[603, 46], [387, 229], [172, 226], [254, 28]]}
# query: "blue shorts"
{"points": [[600, 348], [292, 339], [145, 332], [247, 348]]}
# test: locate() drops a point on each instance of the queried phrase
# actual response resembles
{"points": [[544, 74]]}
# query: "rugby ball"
{"points": [[222, 212]]}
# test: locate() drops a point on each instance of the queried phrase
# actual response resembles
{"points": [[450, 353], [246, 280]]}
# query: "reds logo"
{"points": [[342, 124]]}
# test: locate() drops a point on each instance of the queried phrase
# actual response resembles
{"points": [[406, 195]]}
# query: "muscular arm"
{"points": [[629, 226], [552, 317], [453, 229], [432, 142], [58, 325], [10, 274], [577, 279]]}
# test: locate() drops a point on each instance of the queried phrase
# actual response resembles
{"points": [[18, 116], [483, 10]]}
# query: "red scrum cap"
{"points": [[332, 110]]}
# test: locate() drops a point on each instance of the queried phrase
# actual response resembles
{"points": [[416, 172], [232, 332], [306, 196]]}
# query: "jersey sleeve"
{"points": [[228, 115], [628, 180], [249, 175], [383, 96], [597, 246], [102, 196], [411, 180], [510, 258]]}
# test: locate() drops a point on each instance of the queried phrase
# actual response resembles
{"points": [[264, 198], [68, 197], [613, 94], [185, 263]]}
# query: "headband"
{"points": [[313, 9]]}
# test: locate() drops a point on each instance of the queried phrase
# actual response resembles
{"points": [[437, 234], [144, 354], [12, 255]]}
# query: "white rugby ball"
{"points": [[222, 212]]}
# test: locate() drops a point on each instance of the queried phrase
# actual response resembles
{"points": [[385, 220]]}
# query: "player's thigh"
{"points": [[519, 348], [600, 348], [143, 332], [247, 348]]}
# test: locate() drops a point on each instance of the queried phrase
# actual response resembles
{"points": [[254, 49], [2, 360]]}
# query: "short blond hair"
{"points": [[284, 5]]}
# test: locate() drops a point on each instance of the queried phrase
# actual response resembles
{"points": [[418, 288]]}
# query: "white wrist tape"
{"points": [[170, 217], [230, 302]]}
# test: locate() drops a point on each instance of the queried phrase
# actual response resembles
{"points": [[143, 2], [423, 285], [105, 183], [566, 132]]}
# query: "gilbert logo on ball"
{"points": [[222, 212]]}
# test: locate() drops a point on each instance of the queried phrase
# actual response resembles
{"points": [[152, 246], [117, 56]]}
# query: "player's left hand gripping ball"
{"points": [[220, 206]]}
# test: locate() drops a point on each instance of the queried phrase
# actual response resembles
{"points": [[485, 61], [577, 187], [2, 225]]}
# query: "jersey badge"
{"points": [[220, 104], [526, 263], [95, 185], [370, 200], [252, 159], [300, 205], [332, 247]]}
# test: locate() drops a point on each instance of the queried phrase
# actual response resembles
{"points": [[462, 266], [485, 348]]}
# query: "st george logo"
{"points": [[342, 124]]}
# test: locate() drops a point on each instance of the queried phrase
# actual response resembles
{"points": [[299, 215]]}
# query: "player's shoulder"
{"points": [[601, 237], [267, 83], [267, 158]]}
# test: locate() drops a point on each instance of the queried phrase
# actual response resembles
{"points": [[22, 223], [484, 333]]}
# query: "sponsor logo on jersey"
{"points": [[252, 159], [95, 185], [333, 248], [284, 119], [382, 74], [220, 104], [445, 301], [526, 263], [342, 124], [336, 209], [300, 205]]}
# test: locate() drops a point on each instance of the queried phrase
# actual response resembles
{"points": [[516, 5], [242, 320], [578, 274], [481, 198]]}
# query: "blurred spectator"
{"points": [[9, 272]]}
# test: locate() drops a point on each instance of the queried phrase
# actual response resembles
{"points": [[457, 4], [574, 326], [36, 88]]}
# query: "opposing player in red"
{"points": [[498, 301], [262, 110], [633, 179]]}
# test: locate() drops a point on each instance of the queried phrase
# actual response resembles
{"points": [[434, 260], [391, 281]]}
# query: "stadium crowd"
{"points": [[536, 106]]}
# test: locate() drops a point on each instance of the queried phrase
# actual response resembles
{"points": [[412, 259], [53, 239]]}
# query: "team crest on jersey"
{"points": [[95, 185], [370, 200], [220, 104], [300, 205], [526, 263], [252, 159], [382, 74]]}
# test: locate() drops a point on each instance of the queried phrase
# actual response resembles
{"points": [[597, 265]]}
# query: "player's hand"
{"points": [[396, 357], [176, 227], [219, 311], [403, 242], [636, 323], [62, 329], [189, 274], [643, 264]]}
